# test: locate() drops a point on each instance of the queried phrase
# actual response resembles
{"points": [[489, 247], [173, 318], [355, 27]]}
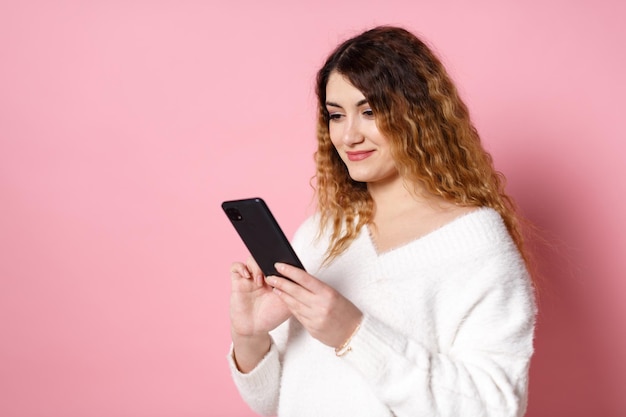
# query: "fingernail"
{"points": [[279, 266]]}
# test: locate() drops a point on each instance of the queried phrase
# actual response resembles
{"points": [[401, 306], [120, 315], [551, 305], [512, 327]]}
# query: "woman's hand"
{"points": [[254, 308], [327, 315]]}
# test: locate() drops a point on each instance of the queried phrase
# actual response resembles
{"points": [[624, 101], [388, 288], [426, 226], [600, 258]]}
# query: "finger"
{"points": [[285, 287], [299, 309], [300, 277], [240, 269], [255, 270]]}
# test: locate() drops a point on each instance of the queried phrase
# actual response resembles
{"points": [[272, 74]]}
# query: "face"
{"points": [[354, 133]]}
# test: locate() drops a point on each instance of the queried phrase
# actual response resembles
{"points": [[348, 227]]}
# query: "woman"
{"points": [[417, 300]]}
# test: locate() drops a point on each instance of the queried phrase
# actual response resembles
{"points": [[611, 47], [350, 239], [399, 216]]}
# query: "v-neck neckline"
{"points": [[417, 240]]}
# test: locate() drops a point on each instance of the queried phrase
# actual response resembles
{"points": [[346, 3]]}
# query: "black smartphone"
{"points": [[260, 232]]}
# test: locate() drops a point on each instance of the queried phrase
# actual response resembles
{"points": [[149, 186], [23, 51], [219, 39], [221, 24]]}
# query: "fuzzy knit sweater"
{"points": [[447, 330]]}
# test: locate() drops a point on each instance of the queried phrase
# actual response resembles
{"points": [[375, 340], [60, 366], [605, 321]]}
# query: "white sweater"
{"points": [[447, 330]]}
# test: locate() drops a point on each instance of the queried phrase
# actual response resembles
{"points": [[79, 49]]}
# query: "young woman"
{"points": [[417, 300]]}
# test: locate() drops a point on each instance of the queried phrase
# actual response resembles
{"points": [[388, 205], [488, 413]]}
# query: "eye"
{"points": [[368, 113], [334, 116]]}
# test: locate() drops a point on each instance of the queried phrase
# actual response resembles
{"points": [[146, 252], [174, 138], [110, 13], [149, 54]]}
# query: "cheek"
{"points": [[369, 129], [376, 135], [335, 136]]}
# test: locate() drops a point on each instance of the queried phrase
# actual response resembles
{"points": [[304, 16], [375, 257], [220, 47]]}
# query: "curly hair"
{"points": [[432, 139]]}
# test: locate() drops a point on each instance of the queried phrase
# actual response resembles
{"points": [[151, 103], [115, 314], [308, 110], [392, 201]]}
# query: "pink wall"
{"points": [[123, 125]]}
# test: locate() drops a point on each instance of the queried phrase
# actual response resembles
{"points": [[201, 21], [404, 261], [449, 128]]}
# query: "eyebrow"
{"points": [[358, 104]]}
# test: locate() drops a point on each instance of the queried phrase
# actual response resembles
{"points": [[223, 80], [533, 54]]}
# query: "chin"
{"points": [[359, 177], [371, 177]]}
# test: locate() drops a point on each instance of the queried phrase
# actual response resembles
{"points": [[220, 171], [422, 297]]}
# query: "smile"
{"points": [[359, 156]]}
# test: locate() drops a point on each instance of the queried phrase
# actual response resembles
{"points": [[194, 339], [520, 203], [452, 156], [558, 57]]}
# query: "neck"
{"points": [[396, 197], [390, 195]]}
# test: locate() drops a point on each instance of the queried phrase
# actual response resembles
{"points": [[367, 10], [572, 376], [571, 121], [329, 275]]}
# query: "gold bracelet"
{"points": [[345, 346]]}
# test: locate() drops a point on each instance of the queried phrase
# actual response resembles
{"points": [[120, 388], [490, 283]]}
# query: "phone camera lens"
{"points": [[234, 214]]}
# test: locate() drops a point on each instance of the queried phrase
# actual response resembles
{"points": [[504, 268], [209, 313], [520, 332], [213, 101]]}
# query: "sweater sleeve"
{"points": [[260, 388], [480, 367]]}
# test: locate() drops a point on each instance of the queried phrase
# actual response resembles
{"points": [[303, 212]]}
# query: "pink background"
{"points": [[123, 125]]}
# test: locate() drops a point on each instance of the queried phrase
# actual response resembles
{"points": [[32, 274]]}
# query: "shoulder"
{"points": [[308, 235], [467, 231], [472, 244], [481, 228], [308, 229], [486, 250], [309, 244]]}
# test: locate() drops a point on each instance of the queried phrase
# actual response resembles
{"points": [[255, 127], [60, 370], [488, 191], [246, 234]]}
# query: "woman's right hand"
{"points": [[255, 310]]}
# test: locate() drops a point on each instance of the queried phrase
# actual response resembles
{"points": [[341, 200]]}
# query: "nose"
{"points": [[352, 132]]}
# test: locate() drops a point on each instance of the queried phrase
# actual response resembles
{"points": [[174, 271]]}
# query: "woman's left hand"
{"points": [[326, 314]]}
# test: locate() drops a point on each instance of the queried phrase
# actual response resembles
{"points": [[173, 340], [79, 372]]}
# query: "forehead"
{"points": [[340, 89]]}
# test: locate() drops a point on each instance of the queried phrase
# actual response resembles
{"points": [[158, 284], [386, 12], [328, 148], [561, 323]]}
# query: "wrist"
{"points": [[249, 350], [345, 346], [250, 340]]}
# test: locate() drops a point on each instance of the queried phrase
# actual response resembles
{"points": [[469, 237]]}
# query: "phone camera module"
{"points": [[234, 214]]}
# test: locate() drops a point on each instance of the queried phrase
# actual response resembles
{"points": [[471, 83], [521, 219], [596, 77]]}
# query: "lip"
{"points": [[358, 155]]}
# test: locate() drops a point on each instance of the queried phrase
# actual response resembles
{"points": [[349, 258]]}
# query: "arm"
{"points": [[256, 362], [260, 387], [481, 366], [253, 357], [468, 355]]}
